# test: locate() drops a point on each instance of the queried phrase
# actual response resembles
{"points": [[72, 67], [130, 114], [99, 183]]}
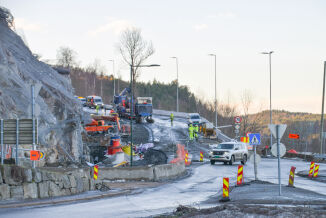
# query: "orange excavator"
{"points": [[97, 127]]}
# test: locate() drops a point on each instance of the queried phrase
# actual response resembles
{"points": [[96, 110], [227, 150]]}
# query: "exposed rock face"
{"points": [[59, 115]]}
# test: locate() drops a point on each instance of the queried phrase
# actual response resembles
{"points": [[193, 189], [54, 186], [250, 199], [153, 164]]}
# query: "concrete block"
{"points": [[85, 184], [80, 185], [37, 176], [135, 173], [27, 175], [16, 192], [13, 175], [4, 191], [168, 171], [43, 189], [73, 190], [66, 181], [54, 189], [73, 181], [30, 190]]}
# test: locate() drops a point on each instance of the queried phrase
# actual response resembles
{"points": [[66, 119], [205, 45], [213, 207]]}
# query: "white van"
{"points": [[194, 118], [92, 101]]}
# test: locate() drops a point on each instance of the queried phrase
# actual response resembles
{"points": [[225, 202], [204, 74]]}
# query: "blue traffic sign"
{"points": [[254, 139]]}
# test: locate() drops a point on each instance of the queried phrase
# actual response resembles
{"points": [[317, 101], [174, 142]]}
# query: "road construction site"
{"points": [[201, 187]]}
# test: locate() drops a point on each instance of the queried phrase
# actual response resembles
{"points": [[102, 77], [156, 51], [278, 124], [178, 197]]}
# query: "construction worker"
{"points": [[191, 132], [196, 128], [171, 118], [97, 108]]}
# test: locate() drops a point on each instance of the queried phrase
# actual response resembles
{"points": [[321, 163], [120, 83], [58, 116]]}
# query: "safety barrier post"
{"points": [[316, 171], [225, 196], [291, 177], [186, 158], [95, 172], [201, 159], [240, 175], [311, 171]]}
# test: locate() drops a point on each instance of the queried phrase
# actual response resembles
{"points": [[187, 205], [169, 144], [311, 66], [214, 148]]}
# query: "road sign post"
{"points": [[254, 140], [278, 131]]}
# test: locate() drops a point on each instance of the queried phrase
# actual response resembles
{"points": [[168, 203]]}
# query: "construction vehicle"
{"points": [[98, 127], [143, 107]]}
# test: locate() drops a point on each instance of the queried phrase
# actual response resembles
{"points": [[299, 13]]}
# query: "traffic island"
{"points": [[260, 199], [320, 178]]}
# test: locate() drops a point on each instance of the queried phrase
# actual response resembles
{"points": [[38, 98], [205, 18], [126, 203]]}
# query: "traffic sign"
{"points": [[294, 136], [281, 129], [252, 158], [237, 126], [274, 150], [237, 119], [254, 138], [236, 131], [36, 155]]}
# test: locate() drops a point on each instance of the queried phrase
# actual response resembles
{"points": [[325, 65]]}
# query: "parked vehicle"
{"points": [[82, 100], [92, 101], [229, 152], [194, 118]]}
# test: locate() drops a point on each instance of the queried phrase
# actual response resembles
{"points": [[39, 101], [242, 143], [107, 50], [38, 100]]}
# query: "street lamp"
{"points": [[132, 103], [113, 77], [176, 59], [215, 91], [270, 89]]}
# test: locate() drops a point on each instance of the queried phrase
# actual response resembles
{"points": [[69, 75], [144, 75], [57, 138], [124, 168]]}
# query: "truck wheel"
{"points": [[232, 160], [212, 162], [243, 162], [225, 163]]}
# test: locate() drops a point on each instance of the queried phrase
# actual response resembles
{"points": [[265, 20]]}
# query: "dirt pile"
{"points": [[59, 114]]}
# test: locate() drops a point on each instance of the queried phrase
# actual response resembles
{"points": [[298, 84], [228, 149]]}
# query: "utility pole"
{"points": [[322, 114]]}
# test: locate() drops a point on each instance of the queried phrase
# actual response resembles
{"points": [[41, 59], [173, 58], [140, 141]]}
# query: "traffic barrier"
{"points": [[95, 172], [187, 160], [316, 171], [201, 158], [311, 171], [240, 175], [225, 196], [291, 177]]}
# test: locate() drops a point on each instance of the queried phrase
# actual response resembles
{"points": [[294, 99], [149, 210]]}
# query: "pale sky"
{"points": [[235, 30]]}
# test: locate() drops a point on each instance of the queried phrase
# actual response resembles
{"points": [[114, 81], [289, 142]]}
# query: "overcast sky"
{"points": [[236, 31]]}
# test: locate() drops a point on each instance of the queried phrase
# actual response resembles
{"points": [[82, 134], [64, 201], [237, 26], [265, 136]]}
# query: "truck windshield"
{"points": [[195, 117], [98, 100], [225, 146]]}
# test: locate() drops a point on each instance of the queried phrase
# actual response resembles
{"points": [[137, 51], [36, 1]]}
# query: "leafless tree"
{"points": [[66, 57], [134, 49]]}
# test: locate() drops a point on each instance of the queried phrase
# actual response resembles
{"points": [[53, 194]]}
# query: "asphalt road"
{"points": [[200, 189]]}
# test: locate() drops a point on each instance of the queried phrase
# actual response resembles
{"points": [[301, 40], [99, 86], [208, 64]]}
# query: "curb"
{"points": [[60, 201]]}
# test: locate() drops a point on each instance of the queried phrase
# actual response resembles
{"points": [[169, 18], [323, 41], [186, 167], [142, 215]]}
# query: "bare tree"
{"points": [[66, 57], [134, 49]]}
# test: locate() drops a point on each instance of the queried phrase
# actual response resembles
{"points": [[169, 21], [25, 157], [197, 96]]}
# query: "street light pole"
{"points": [[132, 104], [322, 114], [270, 90], [215, 90], [176, 59], [113, 77]]}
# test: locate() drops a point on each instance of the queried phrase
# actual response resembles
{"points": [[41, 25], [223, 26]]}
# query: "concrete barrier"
{"points": [[147, 173], [169, 171]]}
